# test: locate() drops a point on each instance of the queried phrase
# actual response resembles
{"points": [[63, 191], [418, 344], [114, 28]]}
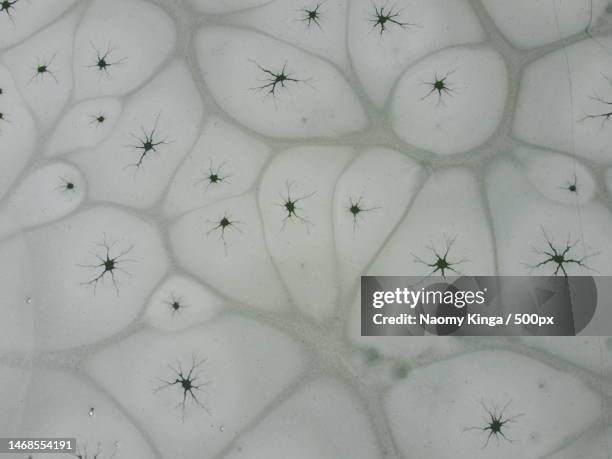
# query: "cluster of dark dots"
{"points": [[108, 264], [495, 423], [442, 264], [187, 382]]}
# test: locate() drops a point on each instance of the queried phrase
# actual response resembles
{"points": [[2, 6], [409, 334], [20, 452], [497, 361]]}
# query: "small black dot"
{"points": [[109, 264], [290, 206], [496, 425], [70, 186], [572, 188]]}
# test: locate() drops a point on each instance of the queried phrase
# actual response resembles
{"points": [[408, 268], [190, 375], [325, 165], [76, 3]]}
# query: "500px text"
{"points": [[469, 319]]}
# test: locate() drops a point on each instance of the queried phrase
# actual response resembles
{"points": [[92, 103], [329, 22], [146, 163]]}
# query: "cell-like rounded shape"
{"points": [[528, 23], [332, 423], [593, 444], [94, 270], [564, 100], [134, 36], [246, 365], [558, 177], [316, 26], [59, 402], [274, 88], [370, 198], [17, 131], [224, 162], [585, 351], [380, 56], [21, 18], [155, 131], [459, 116], [46, 194], [296, 202], [457, 399], [85, 125], [445, 232], [223, 256], [533, 232], [42, 67], [180, 302]]}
